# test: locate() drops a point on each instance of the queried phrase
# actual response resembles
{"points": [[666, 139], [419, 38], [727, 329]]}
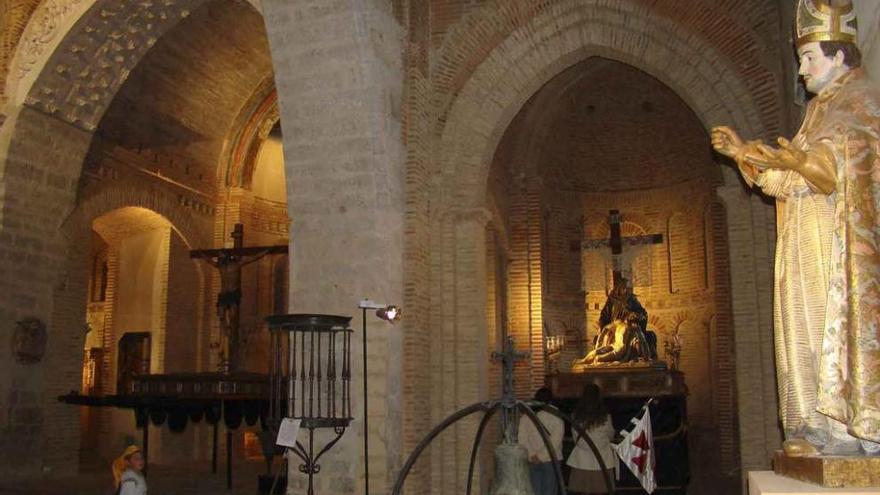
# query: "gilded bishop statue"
{"points": [[826, 182]]}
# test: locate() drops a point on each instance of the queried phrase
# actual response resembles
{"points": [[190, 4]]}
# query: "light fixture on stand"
{"points": [[389, 313]]}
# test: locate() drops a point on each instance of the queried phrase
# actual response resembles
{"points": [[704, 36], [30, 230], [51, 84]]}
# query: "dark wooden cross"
{"points": [[229, 261], [237, 248], [616, 241]]}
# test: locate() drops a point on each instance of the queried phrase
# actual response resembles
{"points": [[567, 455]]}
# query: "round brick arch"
{"points": [[181, 218], [557, 38]]}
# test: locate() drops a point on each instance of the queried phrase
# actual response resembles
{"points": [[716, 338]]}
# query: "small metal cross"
{"points": [[508, 358]]}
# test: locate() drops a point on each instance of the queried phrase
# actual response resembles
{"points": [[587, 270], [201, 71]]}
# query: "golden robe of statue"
{"points": [[849, 364], [827, 271]]}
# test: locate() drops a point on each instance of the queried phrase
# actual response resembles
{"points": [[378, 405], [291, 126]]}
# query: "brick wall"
{"points": [[484, 101], [356, 115]]}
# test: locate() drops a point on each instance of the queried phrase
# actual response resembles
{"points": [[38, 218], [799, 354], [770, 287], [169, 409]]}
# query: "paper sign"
{"points": [[287, 432]]}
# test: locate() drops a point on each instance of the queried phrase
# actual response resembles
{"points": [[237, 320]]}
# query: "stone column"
{"points": [[40, 161], [459, 352], [751, 235], [338, 70]]}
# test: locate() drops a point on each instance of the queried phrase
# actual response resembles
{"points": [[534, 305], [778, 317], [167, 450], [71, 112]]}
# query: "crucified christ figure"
{"points": [[229, 300], [229, 263]]}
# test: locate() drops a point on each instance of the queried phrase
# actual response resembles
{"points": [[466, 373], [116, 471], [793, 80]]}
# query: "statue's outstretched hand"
{"points": [[726, 141], [786, 157]]}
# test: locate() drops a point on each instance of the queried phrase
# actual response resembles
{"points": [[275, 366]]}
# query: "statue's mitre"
{"points": [[826, 20]]}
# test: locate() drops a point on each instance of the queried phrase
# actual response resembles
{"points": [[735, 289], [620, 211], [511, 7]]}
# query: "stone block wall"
{"points": [[338, 70], [36, 193]]}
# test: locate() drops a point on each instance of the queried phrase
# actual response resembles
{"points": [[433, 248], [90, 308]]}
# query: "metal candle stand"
{"points": [[310, 379]]}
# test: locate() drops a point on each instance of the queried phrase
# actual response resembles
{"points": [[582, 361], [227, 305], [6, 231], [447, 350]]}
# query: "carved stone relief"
{"points": [[41, 30], [87, 69], [29, 340]]}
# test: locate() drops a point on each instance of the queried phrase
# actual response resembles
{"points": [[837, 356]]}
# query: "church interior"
{"points": [[457, 158]]}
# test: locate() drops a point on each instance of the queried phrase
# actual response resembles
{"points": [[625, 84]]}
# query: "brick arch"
{"points": [[736, 32], [256, 121], [483, 93], [167, 205], [532, 55]]}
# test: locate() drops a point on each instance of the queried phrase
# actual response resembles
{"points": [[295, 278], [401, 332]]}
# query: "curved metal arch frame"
{"points": [[489, 409], [557, 465]]}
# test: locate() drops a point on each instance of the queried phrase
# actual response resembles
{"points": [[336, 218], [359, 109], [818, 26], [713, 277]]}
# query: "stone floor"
{"points": [[193, 479], [197, 479]]}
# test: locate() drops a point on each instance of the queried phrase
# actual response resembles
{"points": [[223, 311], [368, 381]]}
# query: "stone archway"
{"points": [[467, 132], [69, 66], [190, 288], [194, 228]]}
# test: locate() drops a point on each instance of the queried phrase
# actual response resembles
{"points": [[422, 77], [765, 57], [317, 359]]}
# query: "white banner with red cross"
{"points": [[636, 450]]}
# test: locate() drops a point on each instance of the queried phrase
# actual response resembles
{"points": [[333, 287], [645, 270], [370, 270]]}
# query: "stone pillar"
{"points": [[40, 160], [459, 351], [339, 78], [751, 235]]}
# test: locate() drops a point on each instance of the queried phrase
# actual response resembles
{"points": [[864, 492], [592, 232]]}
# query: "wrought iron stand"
{"points": [[310, 379]]}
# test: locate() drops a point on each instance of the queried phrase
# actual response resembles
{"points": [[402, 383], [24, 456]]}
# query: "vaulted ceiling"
{"points": [[190, 89], [618, 128], [603, 125]]}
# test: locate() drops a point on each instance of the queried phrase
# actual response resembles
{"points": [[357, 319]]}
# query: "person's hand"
{"points": [[726, 141]]}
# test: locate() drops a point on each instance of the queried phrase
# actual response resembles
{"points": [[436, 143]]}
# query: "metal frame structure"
{"points": [[510, 408]]}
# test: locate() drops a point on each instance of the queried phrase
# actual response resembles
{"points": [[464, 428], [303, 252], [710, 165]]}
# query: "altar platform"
{"points": [[621, 381]]}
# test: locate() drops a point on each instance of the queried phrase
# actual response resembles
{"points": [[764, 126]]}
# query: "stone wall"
{"points": [[338, 70], [37, 193], [393, 112], [868, 13]]}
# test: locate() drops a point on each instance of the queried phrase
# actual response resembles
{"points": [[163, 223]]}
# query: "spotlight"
{"points": [[389, 313]]}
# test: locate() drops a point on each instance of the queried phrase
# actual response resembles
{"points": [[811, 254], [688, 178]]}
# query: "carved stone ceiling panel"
{"points": [[96, 57]]}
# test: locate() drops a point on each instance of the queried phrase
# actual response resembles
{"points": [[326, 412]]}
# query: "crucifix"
{"points": [[229, 262], [616, 241]]}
